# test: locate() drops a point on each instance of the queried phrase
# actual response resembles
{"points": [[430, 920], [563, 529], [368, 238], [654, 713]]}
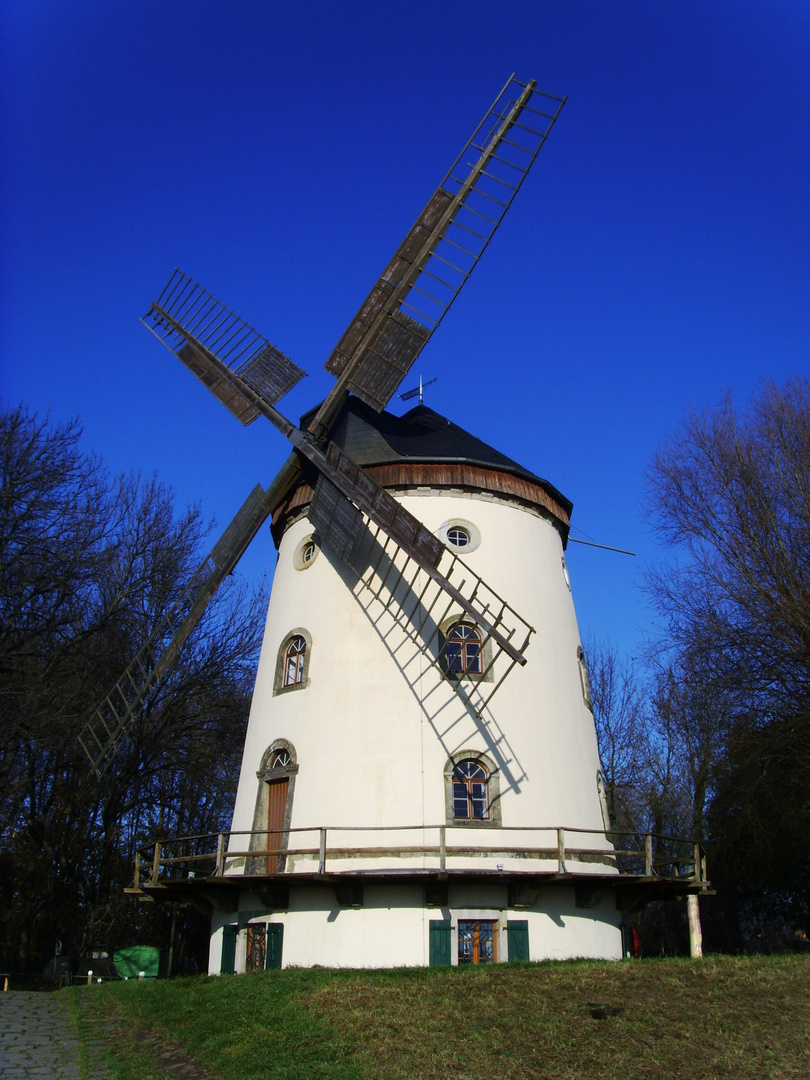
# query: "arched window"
{"points": [[463, 650], [292, 665], [470, 791], [294, 661]]}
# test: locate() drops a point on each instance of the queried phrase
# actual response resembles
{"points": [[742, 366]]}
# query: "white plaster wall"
{"points": [[377, 722], [392, 927]]}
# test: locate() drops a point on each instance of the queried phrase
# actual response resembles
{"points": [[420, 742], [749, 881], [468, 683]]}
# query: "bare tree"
{"points": [[89, 565], [729, 496], [621, 732]]}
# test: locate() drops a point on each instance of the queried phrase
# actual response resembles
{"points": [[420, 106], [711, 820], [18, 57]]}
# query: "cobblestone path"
{"points": [[38, 1039]]}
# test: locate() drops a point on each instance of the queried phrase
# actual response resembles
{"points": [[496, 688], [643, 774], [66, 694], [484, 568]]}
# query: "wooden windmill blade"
{"points": [[440, 251], [208, 337], [102, 737]]}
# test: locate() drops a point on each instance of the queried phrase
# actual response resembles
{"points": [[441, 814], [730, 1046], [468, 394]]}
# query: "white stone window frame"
{"points": [[472, 531], [486, 673], [584, 680], [493, 821], [603, 801], [281, 663], [300, 562], [566, 575]]}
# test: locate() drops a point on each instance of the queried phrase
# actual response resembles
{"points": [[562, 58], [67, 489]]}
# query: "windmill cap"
{"points": [[422, 436], [423, 449]]}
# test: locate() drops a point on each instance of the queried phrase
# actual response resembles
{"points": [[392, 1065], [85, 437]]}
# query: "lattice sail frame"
{"points": [[433, 262], [196, 327]]}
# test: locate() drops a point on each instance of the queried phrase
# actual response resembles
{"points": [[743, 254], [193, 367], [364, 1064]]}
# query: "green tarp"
{"points": [[129, 963]]}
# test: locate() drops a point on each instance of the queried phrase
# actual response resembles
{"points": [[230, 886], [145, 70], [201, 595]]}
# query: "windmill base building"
{"points": [[408, 794]]}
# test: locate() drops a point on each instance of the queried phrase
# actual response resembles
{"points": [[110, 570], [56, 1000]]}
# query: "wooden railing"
{"points": [[215, 854]]}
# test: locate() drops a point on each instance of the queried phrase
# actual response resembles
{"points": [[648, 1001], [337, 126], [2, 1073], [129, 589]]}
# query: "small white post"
{"points": [[141, 974], [89, 978]]}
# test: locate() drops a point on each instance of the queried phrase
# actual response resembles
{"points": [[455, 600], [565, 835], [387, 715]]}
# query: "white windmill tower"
{"points": [[391, 810]]}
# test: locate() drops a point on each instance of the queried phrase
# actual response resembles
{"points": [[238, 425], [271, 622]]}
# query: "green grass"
{"points": [[723, 1017]]}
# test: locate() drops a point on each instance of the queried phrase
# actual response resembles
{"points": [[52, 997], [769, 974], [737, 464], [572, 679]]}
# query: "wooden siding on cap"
{"points": [[401, 474]]}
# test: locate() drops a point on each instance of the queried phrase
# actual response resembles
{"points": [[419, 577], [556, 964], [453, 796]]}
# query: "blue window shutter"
{"points": [[228, 949], [439, 942], [275, 940], [518, 937]]}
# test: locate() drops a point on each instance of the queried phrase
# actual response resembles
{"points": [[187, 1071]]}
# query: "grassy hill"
{"points": [[720, 1017]]}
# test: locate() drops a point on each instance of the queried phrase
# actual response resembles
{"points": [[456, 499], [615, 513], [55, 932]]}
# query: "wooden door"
{"points": [[276, 812]]}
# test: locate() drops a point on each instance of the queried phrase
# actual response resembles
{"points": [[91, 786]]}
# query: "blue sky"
{"points": [[657, 254]]}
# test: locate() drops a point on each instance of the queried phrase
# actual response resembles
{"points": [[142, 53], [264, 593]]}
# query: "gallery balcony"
{"points": [[210, 870]]}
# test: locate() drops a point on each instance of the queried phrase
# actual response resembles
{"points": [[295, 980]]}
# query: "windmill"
{"points": [[353, 515], [380, 786]]}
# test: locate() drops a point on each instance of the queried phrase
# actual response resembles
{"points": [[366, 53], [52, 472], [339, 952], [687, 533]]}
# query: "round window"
{"points": [[458, 537], [307, 552]]}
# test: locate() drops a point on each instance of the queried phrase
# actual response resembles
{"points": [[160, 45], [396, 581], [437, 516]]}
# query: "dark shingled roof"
{"points": [[421, 435]]}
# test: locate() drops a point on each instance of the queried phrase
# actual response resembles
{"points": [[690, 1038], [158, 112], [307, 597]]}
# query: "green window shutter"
{"points": [[439, 943], [275, 939], [518, 931], [228, 949]]}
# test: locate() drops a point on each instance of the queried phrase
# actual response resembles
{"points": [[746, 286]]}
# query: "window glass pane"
{"points": [[479, 802], [469, 769], [458, 537], [292, 670], [463, 649], [465, 942], [461, 808], [294, 665], [486, 942]]}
